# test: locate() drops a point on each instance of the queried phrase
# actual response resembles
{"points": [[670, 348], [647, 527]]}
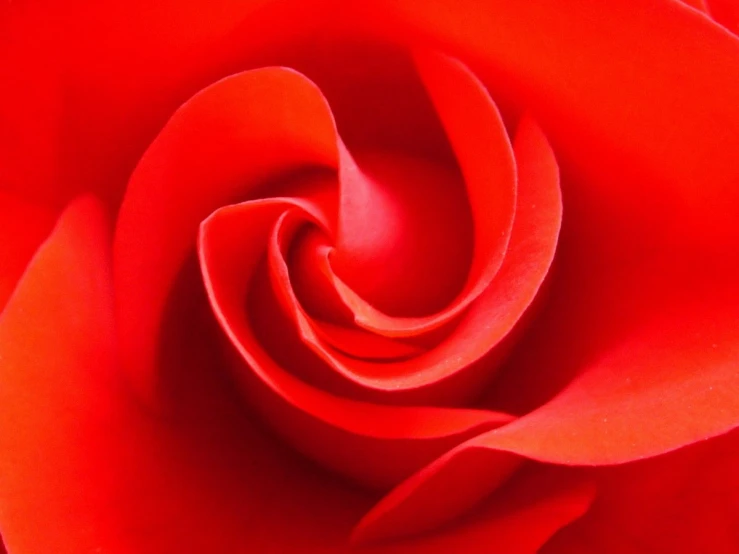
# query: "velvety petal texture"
{"points": [[23, 226], [208, 477], [681, 502], [318, 276], [242, 252]]}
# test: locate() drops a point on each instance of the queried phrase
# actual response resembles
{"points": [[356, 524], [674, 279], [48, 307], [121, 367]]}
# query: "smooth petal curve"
{"points": [[374, 444], [57, 324], [455, 369], [643, 294], [93, 83], [23, 226], [682, 502], [219, 147], [726, 12], [699, 5], [85, 469], [611, 100], [561, 495], [485, 156], [607, 415]]}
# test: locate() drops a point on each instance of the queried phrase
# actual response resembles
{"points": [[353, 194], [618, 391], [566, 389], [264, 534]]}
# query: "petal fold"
{"points": [[220, 146]]}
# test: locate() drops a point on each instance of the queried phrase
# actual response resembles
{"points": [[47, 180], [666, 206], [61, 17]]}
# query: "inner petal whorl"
{"points": [[405, 236]]}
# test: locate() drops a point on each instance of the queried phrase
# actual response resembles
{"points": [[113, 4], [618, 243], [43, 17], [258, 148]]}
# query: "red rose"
{"points": [[292, 276]]}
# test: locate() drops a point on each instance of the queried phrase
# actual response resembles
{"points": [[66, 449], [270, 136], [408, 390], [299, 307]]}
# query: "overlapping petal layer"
{"points": [[196, 165], [219, 147], [124, 481], [375, 444], [680, 503], [643, 306], [23, 226], [605, 317], [725, 12]]}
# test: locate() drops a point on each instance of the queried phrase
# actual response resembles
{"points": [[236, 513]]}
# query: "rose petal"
{"points": [[375, 444], [550, 497], [483, 151], [648, 253], [656, 361], [93, 84], [458, 367], [699, 5], [607, 415], [31, 109], [84, 469], [22, 228], [612, 101], [725, 12], [659, 383], [318, 334], [682, 502], [220, 146], [389, 238], [440, 492], [47, 341]]}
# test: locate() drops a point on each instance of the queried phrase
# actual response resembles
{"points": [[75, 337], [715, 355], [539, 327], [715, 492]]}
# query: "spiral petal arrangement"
{"points": [[368, 298]]}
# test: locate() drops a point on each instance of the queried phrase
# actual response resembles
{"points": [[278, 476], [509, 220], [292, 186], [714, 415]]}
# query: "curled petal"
{"points": [[485, 156], [725, 12], [220, 146], [455, 368], [377, 445], [520, 517], [23, 226]]}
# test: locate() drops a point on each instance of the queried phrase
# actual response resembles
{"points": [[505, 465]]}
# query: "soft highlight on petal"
{"points": [[23, 226], [220, 146], [377, 445]]}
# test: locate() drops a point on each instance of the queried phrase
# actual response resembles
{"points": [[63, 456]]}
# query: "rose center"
{"points": [[405, 235]]}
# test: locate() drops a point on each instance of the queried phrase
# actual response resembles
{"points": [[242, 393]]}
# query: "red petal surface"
{"points": [[457, 368], [22, 227], [366, 223], [519, 519], [651, 190], [375, 444], [683, 502], [612, 100], [84, 470], [209, 480], [92, 84], [726, 12], [55, 332], [220, 146], [643, 307], [699, 5]]}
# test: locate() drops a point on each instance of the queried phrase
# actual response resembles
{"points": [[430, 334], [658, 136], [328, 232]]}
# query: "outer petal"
{"points": [[725, 12], [93, 83], [461, 365], [22, 228], [518, 520], [643, 307], [85, 470], [220, 146], [372, 443], [485, 157], [607, 85], [680, 503]]}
